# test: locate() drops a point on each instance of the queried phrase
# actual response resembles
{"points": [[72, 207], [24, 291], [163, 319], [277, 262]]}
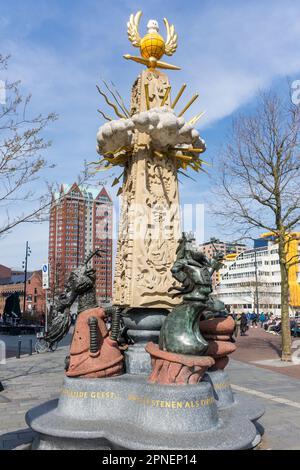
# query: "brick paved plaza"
{"points": [[34, 379], [263, 349]]}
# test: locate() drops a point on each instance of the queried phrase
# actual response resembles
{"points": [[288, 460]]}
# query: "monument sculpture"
{"points": [[180, 332], [168, 388], [179, 358], [93, 353]]}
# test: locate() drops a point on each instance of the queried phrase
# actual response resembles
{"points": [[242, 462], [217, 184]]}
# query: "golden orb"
{"points": [[152, 45]]}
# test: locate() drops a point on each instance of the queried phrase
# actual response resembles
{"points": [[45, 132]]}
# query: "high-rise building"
{"points": [[80, 222], [255, 273], [215, 245]]}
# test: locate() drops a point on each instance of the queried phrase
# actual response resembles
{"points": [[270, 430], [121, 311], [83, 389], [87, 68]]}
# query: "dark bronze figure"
{"points": [[180, 332], [80, 286]]}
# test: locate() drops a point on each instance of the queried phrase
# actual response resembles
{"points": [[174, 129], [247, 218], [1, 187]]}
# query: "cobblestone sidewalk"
{"points": [[27, 382]]}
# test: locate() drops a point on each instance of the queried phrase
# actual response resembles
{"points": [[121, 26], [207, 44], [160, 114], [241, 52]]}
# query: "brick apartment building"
{"points": [[80, 222], [5, 272], [214, 244], [14, 283]]}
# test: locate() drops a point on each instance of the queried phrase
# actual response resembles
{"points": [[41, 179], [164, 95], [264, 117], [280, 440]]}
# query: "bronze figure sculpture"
{"points": [[81, 287], [180, 332]]}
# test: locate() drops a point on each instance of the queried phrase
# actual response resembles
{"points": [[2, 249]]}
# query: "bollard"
{"points": [[19, 349], [30, 347]]}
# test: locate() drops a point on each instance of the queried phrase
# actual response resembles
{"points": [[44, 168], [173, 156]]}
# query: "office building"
{"points": [[256, 272]]}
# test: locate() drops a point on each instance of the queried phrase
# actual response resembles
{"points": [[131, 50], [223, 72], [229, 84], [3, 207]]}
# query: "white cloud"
{"points": [[231, 49], [115, 134], [161, 124]]}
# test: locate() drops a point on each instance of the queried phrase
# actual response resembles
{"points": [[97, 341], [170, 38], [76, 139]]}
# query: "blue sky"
{"points": [[60, 49]]}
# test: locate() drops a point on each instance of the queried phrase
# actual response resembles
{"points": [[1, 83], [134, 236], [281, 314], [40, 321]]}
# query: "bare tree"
{"points": [[266, 294], [21, 163], [259, 183]]}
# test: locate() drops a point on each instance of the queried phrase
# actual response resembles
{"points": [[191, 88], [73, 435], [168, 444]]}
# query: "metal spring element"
{"points": [[115, 324], [94, 337]]}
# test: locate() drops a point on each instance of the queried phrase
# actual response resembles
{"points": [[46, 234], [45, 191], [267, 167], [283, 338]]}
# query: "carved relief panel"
{"points": [[149, 225]]}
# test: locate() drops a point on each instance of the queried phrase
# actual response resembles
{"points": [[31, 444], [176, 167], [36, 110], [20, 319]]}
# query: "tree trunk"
{"points": [[286, 353]]}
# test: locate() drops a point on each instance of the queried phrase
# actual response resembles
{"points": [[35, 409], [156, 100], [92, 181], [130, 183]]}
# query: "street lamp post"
{"points": [[25, 264]]}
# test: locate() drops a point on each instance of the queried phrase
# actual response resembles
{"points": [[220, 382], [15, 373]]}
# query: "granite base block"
{"points": [[234, 404], [127, 412]]}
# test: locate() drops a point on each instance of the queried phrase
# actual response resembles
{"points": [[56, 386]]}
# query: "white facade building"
{"points": [[240, 275]]}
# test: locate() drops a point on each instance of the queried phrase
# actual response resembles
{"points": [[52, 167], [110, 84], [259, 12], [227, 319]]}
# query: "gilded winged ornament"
{"points": [[152, 46]]}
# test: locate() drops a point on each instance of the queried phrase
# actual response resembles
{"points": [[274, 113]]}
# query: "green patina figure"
{"points": [[180, 332]]}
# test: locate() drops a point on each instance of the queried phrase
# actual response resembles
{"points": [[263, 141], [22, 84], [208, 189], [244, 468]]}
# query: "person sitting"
{"points": [[269, 322], [276, 327]]}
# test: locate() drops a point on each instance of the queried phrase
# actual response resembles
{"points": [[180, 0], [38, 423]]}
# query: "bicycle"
{"points": [[42, 345]]}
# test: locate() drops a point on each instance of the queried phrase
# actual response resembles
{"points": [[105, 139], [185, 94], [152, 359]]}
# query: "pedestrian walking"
{"points": [[262, 319], [237, 325], [254, 320], [244, 324]]}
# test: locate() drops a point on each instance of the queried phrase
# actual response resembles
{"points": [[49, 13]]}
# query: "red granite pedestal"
{"points": [[218, 332], [171, 368], [107, 361]]}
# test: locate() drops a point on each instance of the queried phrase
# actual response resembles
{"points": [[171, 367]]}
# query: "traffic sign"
{"points": [[45, 276]]}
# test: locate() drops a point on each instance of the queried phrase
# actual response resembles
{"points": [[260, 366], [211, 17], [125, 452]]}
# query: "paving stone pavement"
{"points": [[27, 382], [264, 350], [38, 378], [281, 397]]}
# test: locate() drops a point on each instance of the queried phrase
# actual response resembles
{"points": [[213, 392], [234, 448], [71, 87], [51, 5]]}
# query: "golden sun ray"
{"points": [[112, 105], [188, 105], [147, 96], [196, 118], [178, 96], [188, 149], [116, 100], [108, 118], [166, 96]]}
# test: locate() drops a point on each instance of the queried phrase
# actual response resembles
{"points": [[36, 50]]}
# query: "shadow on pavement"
{"points": [[11, 440]]}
